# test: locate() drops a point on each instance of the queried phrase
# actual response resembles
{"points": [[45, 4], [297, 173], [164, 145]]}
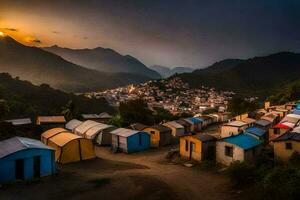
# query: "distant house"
{"points": [[286, 144], [130, 141], [160, 135], [280, 129], [233, 128], [257, 133], [177, 129], [25, 159], [68, 147], [263, 124], [196, 123], [187, 125], [71, 125], [47, 122], [198, 147], [20, 122], [242, 147]]}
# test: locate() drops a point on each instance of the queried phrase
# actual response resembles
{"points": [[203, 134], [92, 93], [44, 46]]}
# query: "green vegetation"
{"points": [[269, 180], [239, 105], [22, 99]]}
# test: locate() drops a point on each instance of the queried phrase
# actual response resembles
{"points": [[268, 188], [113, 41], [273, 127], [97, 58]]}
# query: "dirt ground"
{"points": [[139, 176]]}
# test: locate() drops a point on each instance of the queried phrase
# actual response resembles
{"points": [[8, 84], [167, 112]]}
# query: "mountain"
{"points": [[25, 99], [167, 72], [105, 60], [256, 76], [40, 66]]}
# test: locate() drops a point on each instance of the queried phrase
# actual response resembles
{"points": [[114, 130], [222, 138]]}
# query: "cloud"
{"points": [[55, 32], [31, 39]]}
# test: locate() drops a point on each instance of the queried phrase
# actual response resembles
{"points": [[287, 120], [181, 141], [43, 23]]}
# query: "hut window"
{"points": [[186, 145], [276, 131], [140, 139], [228, 151], [288, 146]]}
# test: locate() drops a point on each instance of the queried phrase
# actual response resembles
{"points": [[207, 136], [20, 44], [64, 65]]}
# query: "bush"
{"points": [[295, 159], [241, 173]]}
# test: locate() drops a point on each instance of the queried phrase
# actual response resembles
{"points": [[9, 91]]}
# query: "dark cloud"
{"points": [[10, 29], [36, 41], [55, 32]]}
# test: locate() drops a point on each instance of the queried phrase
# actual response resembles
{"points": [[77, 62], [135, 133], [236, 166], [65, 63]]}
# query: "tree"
{"points": [[69, 110], [239, 105], [134, 111], [161, 114], [117, 121], [4, 108]]}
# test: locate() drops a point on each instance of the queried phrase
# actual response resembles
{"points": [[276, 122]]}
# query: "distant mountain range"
{"points": [[40, 66], [259, 76], [104, 60], [166, 72]]}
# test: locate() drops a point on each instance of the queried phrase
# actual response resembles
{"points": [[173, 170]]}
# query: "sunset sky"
{"points": [[167, 32]]}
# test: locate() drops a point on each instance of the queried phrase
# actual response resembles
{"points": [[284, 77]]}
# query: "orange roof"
{"points": [[50, 119], [54, 131]]}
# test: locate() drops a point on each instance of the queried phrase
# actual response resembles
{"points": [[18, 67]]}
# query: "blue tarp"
{"points": [[195, 120], [256, 131], [298, 106], [296, 112], [244, 141]]}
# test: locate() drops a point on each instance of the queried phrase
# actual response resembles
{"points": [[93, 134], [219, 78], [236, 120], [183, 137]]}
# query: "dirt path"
{"points": [[144, 175]]}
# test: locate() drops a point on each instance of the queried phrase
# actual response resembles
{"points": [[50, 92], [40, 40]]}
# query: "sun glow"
{"points": [[1, 34]]}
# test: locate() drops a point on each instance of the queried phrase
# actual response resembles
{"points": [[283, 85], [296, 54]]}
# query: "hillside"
{"points": [[25, 99], [39, 66], [105, 60], [166, 72], [256, 76]]}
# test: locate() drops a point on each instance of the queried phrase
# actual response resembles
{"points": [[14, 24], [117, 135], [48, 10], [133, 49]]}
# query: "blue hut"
{"points": [[130, 141], [258, 133], [25, 159]]}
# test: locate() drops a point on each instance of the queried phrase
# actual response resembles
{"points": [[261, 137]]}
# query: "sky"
{"points": [[171, 33]]}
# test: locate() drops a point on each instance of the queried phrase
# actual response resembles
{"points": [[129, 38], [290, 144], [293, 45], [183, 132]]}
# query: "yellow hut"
{"points": [[68, 147], [160, 135], [286, 145], [198, 147]]}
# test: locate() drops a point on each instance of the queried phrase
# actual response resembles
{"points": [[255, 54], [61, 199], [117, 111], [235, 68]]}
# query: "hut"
{"points": [[130, 141], [198, 147], [242, 147], [68, 147], [20, 122], [206, 120], [24, 159], [196, 123], [280, 129], [186, 125], [257, 133], [215, 118], [104, 117], [47, 122], [233, 128], [286, 144], [84, 127], [177, 129], [160, 135], [98, 134], [249, 121], [71, 125], [138, 126], [271, 117], [263, 124]]}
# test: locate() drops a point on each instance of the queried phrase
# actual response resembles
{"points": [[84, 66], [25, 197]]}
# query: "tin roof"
{"points": [[236, 123], [71, 125], [244, 141], [194, 120], [256, 131], [84, 126], [54, 131], [124, 132], [17, 122], [105, 115], [263, 122], [204, 137], [249, 120], [174, 124], [51, 119], [161, 128], [90, 133], [288, 136], [16, 144]]}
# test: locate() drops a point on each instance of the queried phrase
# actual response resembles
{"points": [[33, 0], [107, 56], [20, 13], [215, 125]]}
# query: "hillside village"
{"points": [[171, 94]]}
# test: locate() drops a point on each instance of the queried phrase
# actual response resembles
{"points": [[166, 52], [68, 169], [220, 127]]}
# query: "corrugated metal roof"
{"points": [[263, 122], [51, 119], [174, 124], [236, 123], [296, 129], [288, 136], [194, 120], [256, 131], [84, 126], [249, 120], [105, 115], [71, 125], [124, 132], [244, 141], [17, 122], [91, 133], [90, 116], [204, 137], [16, 144], [161, 128]]}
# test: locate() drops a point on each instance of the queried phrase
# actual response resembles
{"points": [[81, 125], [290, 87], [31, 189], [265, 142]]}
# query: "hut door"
{"points": [[192, 146], [19, 169], [37, 166]]}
